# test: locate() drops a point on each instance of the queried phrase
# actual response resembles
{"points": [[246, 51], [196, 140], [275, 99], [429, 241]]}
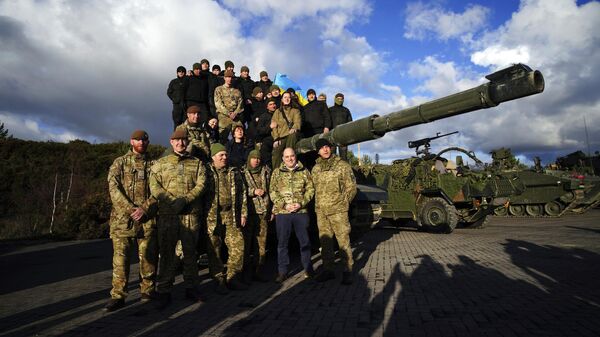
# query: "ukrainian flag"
{"points": [[284, 83]]}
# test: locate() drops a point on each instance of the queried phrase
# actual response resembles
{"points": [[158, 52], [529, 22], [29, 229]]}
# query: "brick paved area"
{"points": [[518, 277]]}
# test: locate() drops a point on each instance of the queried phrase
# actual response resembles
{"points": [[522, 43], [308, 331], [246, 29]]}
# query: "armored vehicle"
{"points": [[508, 84]]}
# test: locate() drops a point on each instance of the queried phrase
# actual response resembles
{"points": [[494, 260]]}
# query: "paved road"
{"points": [[517, 277]]}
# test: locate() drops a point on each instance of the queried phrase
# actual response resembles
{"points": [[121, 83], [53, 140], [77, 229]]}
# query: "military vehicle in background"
{"points": [[504, 85], [538, 192]]}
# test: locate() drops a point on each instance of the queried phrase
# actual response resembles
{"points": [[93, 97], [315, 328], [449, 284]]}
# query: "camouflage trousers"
{"points": [[148, 255], [289, 141], [335, 225], [255, 239], [234, 241], [172, 228]]}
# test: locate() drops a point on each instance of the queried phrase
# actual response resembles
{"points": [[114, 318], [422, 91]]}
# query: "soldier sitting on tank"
{"points": [[177, 181], [226, 204], [132, 221]]}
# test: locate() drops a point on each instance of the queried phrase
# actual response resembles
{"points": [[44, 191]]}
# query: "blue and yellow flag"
{"points": [[284, 83]]}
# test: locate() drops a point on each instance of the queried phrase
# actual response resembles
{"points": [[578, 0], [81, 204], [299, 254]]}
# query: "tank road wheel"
{"points": [[500, 211], [534, 210], [516, 210], [439, 216], [553, 208]]}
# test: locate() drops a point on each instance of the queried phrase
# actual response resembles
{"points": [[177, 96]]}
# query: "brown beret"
{"points": [[228, 73], [193, 109], [139, 135], [179, 134], [263, 73], [244, 68]]}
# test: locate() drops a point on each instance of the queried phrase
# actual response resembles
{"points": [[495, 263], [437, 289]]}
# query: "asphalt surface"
{"points": [[516, 277]]}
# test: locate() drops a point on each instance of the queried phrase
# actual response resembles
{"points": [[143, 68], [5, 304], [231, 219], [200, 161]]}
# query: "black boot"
{"points": [[114, 304]]}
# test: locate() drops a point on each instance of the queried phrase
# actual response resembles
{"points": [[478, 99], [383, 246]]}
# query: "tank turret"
{"points": [[504, 85]]}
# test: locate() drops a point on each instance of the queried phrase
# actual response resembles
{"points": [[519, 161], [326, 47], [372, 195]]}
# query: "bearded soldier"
{"points": [[335, 187], [131, 220], [177, 182], [198, 137], [227, 213]]}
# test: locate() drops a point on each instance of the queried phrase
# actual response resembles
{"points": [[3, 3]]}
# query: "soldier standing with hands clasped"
{"points": [[132, 220], [335, 187]]}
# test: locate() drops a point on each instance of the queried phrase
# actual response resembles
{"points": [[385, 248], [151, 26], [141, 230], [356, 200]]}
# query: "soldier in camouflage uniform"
{"points": [[131, 220], [257, 179], [177, 181], [226, 203], [291, 189], [229, 105], [198, 138], [335, 187]]}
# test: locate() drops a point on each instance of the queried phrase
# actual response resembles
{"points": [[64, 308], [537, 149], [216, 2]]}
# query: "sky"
{"points": [[96, 70]]}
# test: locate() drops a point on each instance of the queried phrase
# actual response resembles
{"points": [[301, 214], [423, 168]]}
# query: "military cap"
{"points": [[216, 148], [216, 67], [179, 134], [205, 61], [273, 87], [311, 91], [139, 135], [244, 68], [254, 154], [193, 109], [197, 66], [181, 69], [256, 90], [228, 73], [263, 73], [228, 64], [321, 142], [339, 94]]}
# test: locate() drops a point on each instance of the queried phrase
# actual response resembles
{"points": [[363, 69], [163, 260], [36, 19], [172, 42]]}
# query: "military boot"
{"points": [[193, 295], [149, 296], [281, 278], [221, 286], [325, 276], [114, 304]]}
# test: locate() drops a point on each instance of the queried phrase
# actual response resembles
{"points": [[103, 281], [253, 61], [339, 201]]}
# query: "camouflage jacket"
{"points": [[283, 127], [291, 186], [239, 207], [199, 143], [228, 100], [176, 177], [335, 185], [128, 185], [259, 205]]}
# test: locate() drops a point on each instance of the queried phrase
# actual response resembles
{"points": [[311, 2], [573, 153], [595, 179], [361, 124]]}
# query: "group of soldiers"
{"points": [[192, 195]]}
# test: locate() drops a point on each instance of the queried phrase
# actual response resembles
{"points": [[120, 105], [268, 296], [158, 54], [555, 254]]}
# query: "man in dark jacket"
{"points": [[316, 116], [197, 92], [265, 83], [246, 85], [213, 82], [176, 92], [256, 109], [264, 140], [340, 115]]}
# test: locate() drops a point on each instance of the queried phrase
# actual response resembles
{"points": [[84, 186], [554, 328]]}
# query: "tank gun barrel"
{"points": [[511, 83]]}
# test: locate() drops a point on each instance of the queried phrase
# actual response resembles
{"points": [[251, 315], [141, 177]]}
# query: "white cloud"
{"points": [[26, 128], [442, 78], [499, 56], [424, 20]]}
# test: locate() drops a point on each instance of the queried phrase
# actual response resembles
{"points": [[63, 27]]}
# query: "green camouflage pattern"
{"points": [[128, 186], [198, 141], [259, 211], [226, 203], [177, 182], [290, 186], [337, 225], [226, 101], [148, 256], [335, 185], [259, 180]]}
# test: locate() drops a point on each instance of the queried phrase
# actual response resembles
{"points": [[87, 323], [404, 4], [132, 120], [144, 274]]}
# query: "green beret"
{"points": [[254, 154], [139, 135], [179, 134], [216, 148]]}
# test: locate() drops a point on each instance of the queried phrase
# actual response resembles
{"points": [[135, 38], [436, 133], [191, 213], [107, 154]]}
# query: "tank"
{"points": [[511, 83], [538, 192]]}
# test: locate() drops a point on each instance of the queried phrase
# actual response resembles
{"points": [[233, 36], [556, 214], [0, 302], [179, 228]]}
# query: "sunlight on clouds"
{"points": [[30, 129], [498, 57]]}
